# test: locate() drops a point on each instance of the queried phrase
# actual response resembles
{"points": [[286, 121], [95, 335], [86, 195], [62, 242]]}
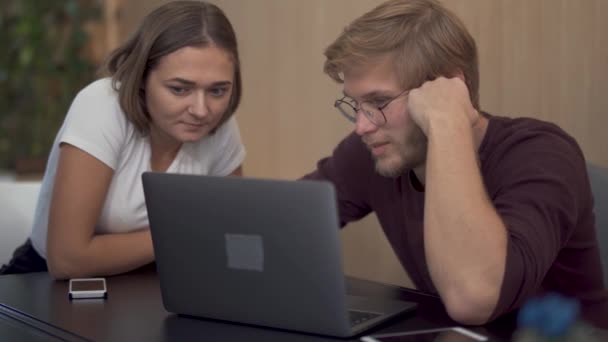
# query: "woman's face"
{"points": [[188, 92]]}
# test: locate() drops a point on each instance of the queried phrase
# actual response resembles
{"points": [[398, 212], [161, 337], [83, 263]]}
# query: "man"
{"points": [[485, 211]]}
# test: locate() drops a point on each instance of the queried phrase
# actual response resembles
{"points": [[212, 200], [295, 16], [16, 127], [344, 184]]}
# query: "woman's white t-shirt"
{"points": [[96, 124]]}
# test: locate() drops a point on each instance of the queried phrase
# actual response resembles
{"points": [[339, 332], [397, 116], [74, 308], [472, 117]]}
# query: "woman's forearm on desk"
{"points": [[104, 255], [73, 248]]}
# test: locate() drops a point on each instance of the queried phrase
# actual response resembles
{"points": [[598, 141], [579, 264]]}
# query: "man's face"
{"points": [[398, 145]]}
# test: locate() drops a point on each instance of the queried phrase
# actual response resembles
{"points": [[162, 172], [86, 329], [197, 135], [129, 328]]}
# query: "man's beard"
{"points": [[408, 156]]}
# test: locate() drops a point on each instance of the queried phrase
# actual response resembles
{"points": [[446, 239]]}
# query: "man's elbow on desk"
{"points": [[472, 307]]}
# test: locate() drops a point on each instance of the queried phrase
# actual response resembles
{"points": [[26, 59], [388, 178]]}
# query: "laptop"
{"points": [[255, 251]]}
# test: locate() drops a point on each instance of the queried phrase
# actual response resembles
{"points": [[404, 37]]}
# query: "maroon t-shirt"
{"points": [[535, 175]]}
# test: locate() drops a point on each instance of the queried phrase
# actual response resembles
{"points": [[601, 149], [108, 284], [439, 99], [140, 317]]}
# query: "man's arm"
{"points": [[465, 238], [349, 169]]}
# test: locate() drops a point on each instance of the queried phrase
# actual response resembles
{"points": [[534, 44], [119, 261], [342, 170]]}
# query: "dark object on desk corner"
{"points": [[19, 326]]}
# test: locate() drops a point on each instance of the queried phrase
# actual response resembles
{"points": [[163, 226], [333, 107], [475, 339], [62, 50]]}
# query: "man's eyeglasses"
{"points": [[372, 110]]}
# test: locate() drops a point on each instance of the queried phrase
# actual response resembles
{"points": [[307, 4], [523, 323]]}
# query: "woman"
{"points": [[168, 108]]}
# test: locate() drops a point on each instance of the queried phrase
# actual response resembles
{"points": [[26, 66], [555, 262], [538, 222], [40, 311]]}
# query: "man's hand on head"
{"points": [[441, 101]]}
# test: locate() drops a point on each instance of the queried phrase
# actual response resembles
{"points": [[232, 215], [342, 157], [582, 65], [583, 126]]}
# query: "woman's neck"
{"points": [[163, 149]]}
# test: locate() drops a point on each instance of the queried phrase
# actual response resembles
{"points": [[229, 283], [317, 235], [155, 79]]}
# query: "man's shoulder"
{"points": [[526, 134], [521, 149], [523, 126]]}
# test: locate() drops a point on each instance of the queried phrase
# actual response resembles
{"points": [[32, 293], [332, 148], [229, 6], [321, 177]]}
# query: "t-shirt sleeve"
{"points": [[229, 149], [543, 189], [96, 124], [348, 169]]}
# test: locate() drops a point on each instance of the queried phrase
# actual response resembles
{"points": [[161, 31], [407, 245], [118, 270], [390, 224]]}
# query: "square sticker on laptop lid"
{"points": [[245, 252]]}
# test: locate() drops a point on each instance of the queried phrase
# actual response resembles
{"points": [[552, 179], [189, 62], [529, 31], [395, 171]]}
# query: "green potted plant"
{"points": [[43, 66]]}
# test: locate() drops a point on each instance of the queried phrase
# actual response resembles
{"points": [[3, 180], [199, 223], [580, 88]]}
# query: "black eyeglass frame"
{"points": [[370, 116]]}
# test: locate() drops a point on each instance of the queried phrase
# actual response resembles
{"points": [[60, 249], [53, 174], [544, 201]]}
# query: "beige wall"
{"points": [[542, 58]]}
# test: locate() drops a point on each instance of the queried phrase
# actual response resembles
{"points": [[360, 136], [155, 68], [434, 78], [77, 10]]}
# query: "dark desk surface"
{"points": [[134, 311]]}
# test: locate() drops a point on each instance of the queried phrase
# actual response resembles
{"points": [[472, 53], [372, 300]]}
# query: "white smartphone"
{"points": [[88, 288], [451, 334]]}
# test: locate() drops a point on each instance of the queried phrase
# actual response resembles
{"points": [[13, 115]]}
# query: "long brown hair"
{"points": [[168, 28], [425, 39]]}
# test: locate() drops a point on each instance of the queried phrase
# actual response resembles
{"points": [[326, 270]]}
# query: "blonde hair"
{"points": [[170, 27], [425, 40]]}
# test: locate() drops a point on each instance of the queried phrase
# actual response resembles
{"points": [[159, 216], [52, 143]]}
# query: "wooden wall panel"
{"points": [[541, 58]]}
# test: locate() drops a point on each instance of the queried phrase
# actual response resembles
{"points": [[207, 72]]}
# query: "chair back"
{"points": [[599, 185]]}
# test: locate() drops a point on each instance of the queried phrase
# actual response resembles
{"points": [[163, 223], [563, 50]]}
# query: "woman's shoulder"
{"points": [[101, 90], [96, 124], [97, 100], [96, 107]]}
